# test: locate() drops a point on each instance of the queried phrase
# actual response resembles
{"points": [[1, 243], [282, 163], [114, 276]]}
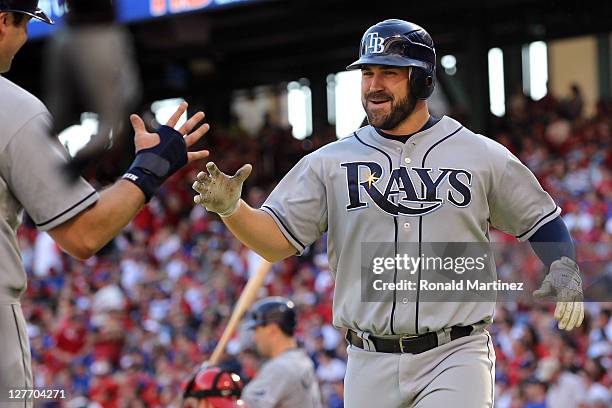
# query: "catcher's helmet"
{"points": [[219, 387], [275, 309], [402, 44], [29, 7]]}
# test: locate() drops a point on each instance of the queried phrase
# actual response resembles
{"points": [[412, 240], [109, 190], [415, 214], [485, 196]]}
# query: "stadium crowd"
{"points": [[127, 327]]}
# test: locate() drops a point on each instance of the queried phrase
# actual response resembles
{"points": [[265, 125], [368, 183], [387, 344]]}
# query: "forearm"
{"points": [[256, 229], [86, 233], [158, 156], [553, 241]]}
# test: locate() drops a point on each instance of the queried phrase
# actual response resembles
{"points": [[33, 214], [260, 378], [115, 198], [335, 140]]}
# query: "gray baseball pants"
{"points": [[457, 374]]}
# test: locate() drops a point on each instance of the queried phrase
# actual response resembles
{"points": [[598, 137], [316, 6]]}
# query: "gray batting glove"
{"points": [[563, 282], [219, 192]]}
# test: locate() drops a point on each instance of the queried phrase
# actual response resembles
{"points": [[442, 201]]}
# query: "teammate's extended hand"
{"points": [[219, 192], [144, 139], [564, 283]]}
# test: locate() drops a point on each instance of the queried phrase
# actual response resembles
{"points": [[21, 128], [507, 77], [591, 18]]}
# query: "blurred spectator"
{"points": [[595, 376], [336, 397], [535, 393], [565, 389], [575, 103], [558, 130], [330, 369]]}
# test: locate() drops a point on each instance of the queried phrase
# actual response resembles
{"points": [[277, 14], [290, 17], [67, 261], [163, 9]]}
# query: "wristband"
{"points": [[152, 166], [148, 183]]}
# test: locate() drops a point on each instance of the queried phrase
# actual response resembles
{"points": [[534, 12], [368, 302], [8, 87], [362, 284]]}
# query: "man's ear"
{"points": [[6, 19], [3, 23]]}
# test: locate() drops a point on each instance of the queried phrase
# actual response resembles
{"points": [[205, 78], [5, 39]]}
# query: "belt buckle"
{"points": [[401, 341]]}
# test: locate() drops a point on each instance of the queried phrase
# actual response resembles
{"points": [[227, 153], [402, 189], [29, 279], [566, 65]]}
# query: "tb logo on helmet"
{"points": [[374, 44]]}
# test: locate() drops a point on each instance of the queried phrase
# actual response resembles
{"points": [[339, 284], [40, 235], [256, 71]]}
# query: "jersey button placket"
{"points": [[406, 225]]}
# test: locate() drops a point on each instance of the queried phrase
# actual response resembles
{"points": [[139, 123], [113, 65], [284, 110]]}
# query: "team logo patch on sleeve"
{"points": [[413, 199]]}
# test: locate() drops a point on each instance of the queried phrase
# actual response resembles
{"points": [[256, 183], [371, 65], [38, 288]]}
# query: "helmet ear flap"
{"points": [[289, 322], [422, 82]]}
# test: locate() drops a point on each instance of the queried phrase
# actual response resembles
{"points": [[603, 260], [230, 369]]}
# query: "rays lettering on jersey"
{"points": [[400, 184]]}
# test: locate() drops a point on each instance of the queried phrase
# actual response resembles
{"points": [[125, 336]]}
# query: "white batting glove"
{"points": [[219, 192], [563, 282]]}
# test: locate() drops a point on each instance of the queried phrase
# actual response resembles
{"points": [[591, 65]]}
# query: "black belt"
{"points": [[407, 344]]}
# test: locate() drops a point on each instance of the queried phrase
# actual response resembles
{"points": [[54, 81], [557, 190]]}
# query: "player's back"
{"points": [[286, 381]]}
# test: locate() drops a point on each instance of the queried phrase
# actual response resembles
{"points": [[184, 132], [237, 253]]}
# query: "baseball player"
{"points": [[407, 177], [213, 387], [89, 65], [288, 378], [77, 217]]}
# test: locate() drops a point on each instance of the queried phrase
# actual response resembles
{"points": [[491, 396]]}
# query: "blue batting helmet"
{"points": [[276, 309], [402, 44]]}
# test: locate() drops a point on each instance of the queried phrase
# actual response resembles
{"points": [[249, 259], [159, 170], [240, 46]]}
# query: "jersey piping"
{"points": [[42, 224], [394, 223], [538, 223], [418, 292], [285, 227], [23, 359]]}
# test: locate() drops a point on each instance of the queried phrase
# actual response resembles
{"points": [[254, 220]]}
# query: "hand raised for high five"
{"points": [[161, 154], [144, 139], [219, 192]]}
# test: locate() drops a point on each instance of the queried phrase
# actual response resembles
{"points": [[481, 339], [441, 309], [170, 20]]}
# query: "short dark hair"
{"points": [[18, 18]]}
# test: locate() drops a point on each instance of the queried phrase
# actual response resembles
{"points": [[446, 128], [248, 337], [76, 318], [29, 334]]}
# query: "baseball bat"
{"points": [[246, 299]]}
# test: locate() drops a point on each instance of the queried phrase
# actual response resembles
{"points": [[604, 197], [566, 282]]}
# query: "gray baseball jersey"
{"points": [[30, 161], [445, 184], [286, 381], [30, 178]]}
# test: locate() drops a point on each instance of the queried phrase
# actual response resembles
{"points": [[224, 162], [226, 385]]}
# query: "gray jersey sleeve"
{"points": [[298, 204], [518, 204], [31, 165]]}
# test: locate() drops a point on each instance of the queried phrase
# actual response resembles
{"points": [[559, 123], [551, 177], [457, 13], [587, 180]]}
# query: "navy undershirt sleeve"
{"points": [[552, 241]]}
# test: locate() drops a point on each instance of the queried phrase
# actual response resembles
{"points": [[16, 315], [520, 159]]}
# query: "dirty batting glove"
{"points": [[564, 283], [219, 192]]}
